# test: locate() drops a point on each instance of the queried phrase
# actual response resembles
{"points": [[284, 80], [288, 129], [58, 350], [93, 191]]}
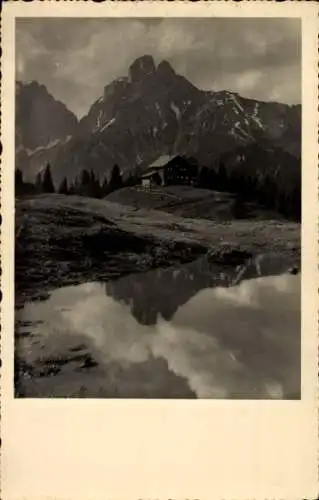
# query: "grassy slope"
{"points": [[71, 214], [186, 201]]}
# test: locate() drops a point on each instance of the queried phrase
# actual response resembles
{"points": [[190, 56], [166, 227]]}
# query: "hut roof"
{"points": [[149, 173], [160, 162]]}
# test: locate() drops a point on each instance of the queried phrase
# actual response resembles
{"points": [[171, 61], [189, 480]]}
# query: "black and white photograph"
{"points": [[158, 208]]}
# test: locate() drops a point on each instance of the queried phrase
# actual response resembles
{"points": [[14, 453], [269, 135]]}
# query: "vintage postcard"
{"points": [[159, 189]]}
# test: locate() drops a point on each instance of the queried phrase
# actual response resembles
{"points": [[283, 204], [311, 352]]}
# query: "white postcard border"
{"points": [[134, 449]]}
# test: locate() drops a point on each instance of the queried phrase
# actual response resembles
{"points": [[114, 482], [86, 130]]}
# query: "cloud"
{"points": [[226, 342], [76, 58]]}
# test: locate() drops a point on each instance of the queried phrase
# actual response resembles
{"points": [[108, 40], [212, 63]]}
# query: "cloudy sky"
{"points": [[76, 58]]}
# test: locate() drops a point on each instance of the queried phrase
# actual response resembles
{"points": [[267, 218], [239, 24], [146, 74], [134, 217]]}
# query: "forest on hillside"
{"points": [[269, 177]]}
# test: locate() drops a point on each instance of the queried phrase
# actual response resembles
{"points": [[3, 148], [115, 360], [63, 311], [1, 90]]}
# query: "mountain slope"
{"points": [[153, 112], [41, 124], [228, 120]]}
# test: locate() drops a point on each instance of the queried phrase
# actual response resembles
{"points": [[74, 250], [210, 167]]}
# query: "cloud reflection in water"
{"points": [[239, 342]]}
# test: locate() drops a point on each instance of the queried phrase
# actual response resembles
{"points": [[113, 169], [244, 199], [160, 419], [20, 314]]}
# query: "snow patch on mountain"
{"points": [[256, 118], [50, 145], [238, 131], [107, 124], [176, 110], [139, 159], [236, 102], [158, 108], [99, 120]]}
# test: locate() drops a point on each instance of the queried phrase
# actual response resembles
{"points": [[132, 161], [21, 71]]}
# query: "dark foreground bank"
{"points": [[64, 240]]}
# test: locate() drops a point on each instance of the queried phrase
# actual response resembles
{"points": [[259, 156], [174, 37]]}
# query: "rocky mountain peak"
{"points": [[116, 88], [142, 67], [152, 112], [165, 70], [34, 88]]}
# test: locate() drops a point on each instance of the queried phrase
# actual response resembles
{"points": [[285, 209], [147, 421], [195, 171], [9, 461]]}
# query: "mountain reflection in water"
{"points": [[170, 335]]}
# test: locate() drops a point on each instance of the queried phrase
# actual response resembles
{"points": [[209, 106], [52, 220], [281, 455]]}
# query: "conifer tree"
{"points": [[95, 188], [76, 186], [104, 187], [38, 182], [63, 188], [47, 182], [116, 181], [84, 184]]}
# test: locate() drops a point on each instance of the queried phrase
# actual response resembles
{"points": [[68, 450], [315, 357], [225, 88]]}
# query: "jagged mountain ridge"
{"points": [[153, 111]]}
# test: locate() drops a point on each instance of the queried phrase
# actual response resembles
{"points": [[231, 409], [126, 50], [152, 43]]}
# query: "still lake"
{"points": [[167, 333]]}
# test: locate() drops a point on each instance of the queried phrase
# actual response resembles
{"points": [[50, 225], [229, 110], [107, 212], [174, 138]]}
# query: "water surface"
{"points": [[164, 334]]}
